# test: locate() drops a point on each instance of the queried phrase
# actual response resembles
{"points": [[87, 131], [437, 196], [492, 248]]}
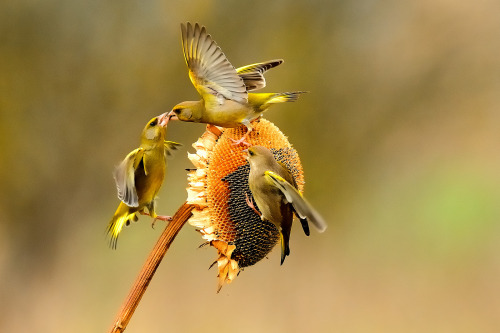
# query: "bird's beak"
{"points": [[246, 156], [173, 116], [166, 117], [163, 119]]}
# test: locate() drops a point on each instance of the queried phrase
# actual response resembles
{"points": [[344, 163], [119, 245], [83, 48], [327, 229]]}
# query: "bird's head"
{"points": [[155, 130], [258, 155], [186, 111]]}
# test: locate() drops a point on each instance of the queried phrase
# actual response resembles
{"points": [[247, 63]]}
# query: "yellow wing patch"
{"points": [[280, 182], [274, 175]]}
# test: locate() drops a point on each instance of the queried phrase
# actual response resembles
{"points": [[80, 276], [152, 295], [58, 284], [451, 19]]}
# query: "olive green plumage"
{"points": [[140, 175], [224, 90], [277, 197]]}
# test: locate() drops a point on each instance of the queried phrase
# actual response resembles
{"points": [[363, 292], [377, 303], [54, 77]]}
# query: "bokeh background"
{"points": [[399, 138]]}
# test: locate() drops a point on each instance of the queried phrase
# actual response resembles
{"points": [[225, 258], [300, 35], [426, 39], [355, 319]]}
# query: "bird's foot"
{"points": [[251, 205], [241, 141], [162, 218], [157, 217]]}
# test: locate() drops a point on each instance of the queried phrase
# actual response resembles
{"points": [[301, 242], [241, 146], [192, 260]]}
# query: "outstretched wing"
{"points": [[125, 178], [303, 209], [253, 75], [209, 70]]}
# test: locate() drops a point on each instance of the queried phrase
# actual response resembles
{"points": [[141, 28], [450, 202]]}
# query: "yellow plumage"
{"points": [[224, 90], [123, 216], [139, 177]]}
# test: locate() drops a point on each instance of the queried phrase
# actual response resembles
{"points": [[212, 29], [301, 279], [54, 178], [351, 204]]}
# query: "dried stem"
{"points": [[149, 268]]}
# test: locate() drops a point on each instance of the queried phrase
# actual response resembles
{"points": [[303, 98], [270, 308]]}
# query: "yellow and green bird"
{"points": [[139, 177], [224, 90], [277, 197]]}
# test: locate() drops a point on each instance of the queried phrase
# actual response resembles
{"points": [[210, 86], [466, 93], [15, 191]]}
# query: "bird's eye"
{"points": [[153, 123], [251, 153]]}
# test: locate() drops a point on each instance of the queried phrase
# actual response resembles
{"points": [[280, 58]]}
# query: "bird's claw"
{"points": [[157, 217], [162, 218], [240, 141], [251, 205]]}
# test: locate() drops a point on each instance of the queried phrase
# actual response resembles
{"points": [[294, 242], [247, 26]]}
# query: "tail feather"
{"points": [[285, 248], [122, 217]]}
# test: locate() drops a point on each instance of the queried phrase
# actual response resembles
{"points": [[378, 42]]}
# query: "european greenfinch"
{"points": [[139, 177], [277, 197], [224, 90]]}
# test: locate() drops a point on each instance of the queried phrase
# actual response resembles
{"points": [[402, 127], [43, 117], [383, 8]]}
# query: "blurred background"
{"points": [[399, 138]]}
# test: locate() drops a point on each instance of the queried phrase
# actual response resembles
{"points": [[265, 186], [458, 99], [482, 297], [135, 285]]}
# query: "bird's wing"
{"points": [[170, 146], [125, 178], [209, 70], [303, 209], [253, 75]]}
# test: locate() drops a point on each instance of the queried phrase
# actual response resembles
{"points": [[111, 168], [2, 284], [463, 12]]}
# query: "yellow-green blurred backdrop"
{"points": [[399, 138]]}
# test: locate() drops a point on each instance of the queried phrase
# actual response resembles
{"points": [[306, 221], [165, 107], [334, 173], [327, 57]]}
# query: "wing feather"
{"points": [[209, 69], [170, 147], [253, 75], [303, 209], [124, 175]]}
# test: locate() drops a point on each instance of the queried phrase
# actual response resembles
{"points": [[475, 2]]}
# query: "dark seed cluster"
{"points": [[227, 183], [254, 238]]}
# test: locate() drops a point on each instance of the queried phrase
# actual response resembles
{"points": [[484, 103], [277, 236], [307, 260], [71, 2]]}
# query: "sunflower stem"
{"points": [[148, 270]]}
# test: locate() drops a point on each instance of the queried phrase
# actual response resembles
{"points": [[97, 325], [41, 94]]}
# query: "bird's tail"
{"points": [[285, 248], [123, 216], [284, 97]]}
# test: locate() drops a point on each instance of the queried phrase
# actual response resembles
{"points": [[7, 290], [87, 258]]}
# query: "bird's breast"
{"points": [[229, 114], [149, 179]]}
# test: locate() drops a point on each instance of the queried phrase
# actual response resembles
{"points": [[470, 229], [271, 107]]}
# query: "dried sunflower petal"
{"points": [[218, 187]]}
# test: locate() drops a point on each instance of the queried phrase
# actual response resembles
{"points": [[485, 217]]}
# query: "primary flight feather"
{"points": [[226, 100]]}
